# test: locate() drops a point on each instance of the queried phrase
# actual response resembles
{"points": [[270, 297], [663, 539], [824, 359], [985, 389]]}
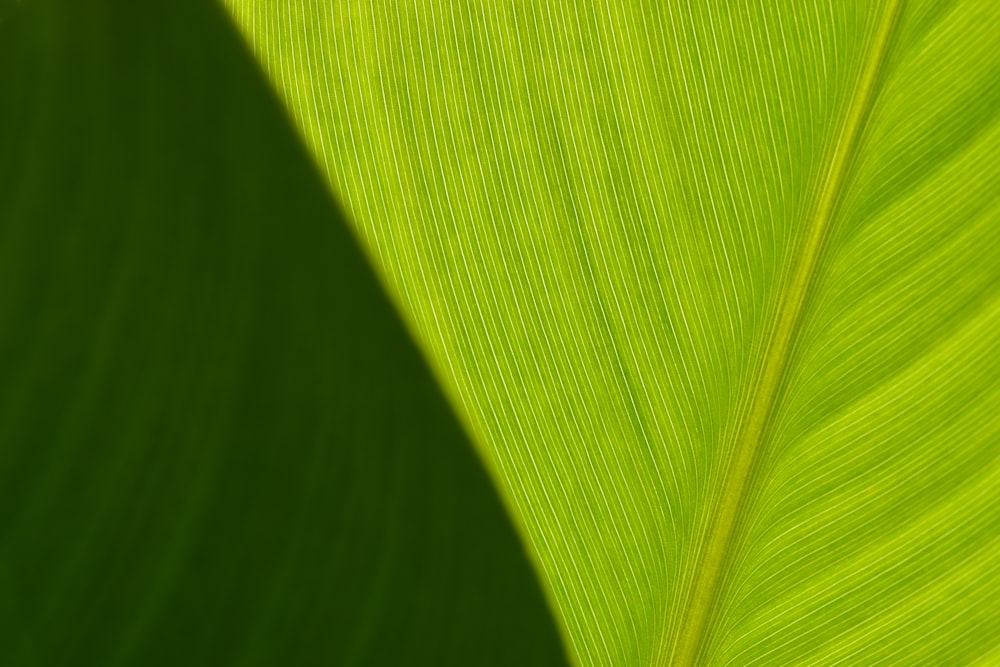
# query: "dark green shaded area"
{"points": [[218, 445]]}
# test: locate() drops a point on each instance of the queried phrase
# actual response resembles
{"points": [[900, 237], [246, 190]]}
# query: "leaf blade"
{"points": [[591, 212]]}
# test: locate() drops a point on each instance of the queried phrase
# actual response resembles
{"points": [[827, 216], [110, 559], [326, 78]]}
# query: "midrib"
{"points": [[715, 547]]}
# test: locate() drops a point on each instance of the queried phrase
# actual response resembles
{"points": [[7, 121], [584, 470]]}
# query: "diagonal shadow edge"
{"points": [[185, 320]]}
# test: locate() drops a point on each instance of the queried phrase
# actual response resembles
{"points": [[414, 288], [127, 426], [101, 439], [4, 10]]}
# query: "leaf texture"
{"points": [[218, 443], [594, 213]]}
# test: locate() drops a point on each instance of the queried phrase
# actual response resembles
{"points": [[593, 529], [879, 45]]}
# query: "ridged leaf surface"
{"points": [[718, 287]]}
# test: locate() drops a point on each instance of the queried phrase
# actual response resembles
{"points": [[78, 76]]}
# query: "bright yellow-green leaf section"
{"points": [[591, 213]]}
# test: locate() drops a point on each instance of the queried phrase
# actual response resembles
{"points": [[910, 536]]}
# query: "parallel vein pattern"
{"points": [[589, 213], [717, 547]]}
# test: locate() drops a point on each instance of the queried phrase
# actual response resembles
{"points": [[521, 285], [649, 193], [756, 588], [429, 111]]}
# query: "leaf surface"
{"points": [[717, 286], [218, 443]]}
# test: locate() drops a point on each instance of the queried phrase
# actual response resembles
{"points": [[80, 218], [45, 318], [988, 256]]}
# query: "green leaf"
{"points": [[716, 285], [218, 443]]}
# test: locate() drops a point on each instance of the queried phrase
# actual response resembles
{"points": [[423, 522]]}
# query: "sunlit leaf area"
{"points": [[497, 333]]}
